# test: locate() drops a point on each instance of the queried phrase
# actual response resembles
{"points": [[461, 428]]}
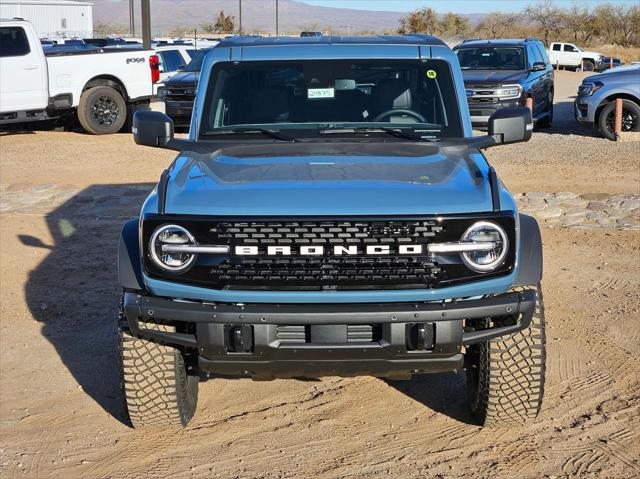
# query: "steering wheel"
{"points": [[401, 111]]}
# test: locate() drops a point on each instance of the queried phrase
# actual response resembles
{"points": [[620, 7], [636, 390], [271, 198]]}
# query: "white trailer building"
{"points": [[52, 18]]}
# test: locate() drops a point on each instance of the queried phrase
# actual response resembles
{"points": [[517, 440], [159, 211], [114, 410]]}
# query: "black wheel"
{"points": [[630, 118], [547, 120], [102, 110], [157, 389], [505, 376], [588, 66]]}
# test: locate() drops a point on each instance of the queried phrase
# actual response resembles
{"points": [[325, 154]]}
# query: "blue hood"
{"points": [[329, 179]]}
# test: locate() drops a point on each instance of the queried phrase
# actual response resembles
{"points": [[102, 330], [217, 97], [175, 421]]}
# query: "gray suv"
{"points": [[595, 104]]}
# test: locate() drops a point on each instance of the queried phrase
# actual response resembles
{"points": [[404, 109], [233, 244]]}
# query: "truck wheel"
{"points": [[102, 110], [630, 118], [157, 389], [588, 66], [505, 376]]}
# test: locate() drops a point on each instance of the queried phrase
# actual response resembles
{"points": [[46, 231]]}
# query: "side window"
{"points": [[13, 42], [543, 54], [531, 56], [569, 48], [171, 60], [556, 47]]}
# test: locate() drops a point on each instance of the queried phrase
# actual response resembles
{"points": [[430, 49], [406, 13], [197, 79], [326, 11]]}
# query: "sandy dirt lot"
{"points": [[61, 413]]}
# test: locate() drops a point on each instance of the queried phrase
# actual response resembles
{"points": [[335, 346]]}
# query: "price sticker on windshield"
{"points": [[320, 93], [431, 74]]}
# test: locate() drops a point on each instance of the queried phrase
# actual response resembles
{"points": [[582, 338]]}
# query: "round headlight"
{"points": [[164, 248], [486, 260]]}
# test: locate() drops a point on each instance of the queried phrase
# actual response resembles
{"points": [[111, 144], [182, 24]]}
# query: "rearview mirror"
{"points": [[538, 66], [152, 128], [511, 125], [181, 68]]}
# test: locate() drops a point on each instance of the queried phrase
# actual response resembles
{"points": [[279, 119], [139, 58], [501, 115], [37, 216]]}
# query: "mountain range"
{"points": [[257, 16]]}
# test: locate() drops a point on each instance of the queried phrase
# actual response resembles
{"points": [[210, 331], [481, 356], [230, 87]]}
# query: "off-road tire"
{"points": [[505, 377], [111, 120], [630, 122], [156, 387]]}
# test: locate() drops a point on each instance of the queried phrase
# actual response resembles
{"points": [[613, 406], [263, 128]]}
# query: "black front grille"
{"points": [[361, 264], [180, 93]]}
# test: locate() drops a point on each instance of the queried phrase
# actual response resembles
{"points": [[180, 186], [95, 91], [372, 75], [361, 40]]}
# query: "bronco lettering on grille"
{"points": [[408, 249]]}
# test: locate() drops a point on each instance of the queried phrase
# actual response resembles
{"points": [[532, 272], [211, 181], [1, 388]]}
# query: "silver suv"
{"points": [[595, 104]]}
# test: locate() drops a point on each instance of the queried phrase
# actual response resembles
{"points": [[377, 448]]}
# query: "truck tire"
{"points": [[630, 118], [588, 66], [102, 110], [156, 387], [505, 376]]}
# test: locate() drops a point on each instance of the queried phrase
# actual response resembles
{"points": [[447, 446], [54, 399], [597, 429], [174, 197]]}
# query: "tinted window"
{"points": [[491, 58], [195, 65], [320, 94], [543, 54], [13, 42], [534, 56], [556, 47], [569, 48], [170, 60]]}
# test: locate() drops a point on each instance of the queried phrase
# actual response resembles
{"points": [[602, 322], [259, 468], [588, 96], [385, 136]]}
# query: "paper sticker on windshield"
{"points": [[431, 74], [316, 93]]}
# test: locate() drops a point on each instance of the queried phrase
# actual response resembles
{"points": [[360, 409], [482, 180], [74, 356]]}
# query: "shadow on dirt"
{"points": [[445, 393], [564, 122], [74, 291]]}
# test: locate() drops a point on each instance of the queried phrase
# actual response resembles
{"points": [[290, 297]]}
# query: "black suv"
{"points": [[504, 73], [179, 91]]}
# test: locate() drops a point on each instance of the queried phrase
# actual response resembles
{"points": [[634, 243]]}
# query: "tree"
{"points": [[223, 24], [496, 25], [452, 25], [424, 20], [547, 17]]}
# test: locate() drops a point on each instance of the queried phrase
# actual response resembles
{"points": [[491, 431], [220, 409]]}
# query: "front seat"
{"points": [[392, 94]]}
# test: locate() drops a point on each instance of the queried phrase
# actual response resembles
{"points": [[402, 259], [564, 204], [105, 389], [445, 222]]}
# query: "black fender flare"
{"points": [[129, 260], [530, 267]]}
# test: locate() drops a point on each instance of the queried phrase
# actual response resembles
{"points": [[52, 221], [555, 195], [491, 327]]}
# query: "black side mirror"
{"points": [[538, 66], [152, 128], [511, 125]]}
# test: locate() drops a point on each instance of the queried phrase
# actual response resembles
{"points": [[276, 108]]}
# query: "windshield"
{"points": [[195, 65], [491, 58], [313, 96]]}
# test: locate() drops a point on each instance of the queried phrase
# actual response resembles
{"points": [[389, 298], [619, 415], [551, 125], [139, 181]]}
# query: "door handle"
{"points": [[31, 67]]}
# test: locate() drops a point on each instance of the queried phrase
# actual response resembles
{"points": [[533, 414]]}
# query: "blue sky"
{"points": [[457, 6]]}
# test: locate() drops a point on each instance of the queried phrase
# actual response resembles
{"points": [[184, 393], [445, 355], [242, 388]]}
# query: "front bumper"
{"points": [[265, 341], [582, 110]]}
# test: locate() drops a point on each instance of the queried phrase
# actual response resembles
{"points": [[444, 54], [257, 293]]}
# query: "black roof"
{"points": [[503, 42], [253, 41]]}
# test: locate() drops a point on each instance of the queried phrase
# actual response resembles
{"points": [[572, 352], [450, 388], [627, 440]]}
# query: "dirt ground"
{"points": [[61, 413]]}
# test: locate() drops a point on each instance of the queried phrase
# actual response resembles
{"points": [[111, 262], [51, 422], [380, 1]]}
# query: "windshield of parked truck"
{"points": [[491, 58], [195, 65], [314, 96]]}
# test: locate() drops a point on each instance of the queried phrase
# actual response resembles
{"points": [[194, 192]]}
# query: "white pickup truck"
{"points": [[568, 55], [103, 88]]}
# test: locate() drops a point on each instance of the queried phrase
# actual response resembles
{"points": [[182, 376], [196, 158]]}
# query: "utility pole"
{"points": [[240, 16], [132, 20], [277, 29], [146, 23]]}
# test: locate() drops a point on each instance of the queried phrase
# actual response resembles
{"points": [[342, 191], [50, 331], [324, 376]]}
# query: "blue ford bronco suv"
{"points": [[330, 213]]}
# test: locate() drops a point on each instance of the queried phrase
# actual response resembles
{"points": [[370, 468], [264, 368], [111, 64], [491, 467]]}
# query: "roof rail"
{"points": [[531, 39], [470, 40]]}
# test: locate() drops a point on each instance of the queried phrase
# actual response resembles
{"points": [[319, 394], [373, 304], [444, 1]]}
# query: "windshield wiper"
{"points": [[397, 132], [275, 134]]}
